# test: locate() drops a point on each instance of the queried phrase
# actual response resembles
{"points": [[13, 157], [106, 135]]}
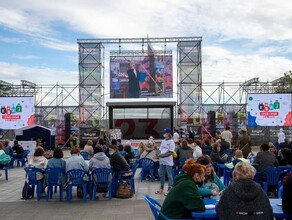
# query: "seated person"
{"points": [[184, 151], [287, 195], [215, 154], [197, 150], [89, 147], [272, 149], [7, 149], [212, 186], [264, 158], [58, 162], [150, 152], [224, 145], [121, 149], [99, 159], [17, 149], [129, 156], [238, 157], [244, 198], [118, 162], [184, 197], [285, 157], [77, 162], [206, 144], [39, 161], [4, 158]]}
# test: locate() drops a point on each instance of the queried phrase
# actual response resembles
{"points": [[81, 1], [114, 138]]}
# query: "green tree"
{"points": [[285, 85]]}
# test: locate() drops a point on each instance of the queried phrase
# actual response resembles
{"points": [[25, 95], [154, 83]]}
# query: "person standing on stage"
{"points": [[134, 77]]}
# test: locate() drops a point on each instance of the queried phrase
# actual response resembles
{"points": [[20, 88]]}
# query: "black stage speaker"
{"points": [[67, 126], [211, 122]]}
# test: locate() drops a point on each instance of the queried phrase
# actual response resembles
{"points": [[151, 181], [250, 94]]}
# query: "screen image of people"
{"points": [[141, 76]]}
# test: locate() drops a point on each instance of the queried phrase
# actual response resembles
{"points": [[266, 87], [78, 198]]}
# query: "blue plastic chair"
{"points": [[56, 177], [102, 176], [228, 176], [272, 175], [280, 192], [77, 178], [148, 166], [128, 179], [85, 155], [155, 207], [32, 181], [24, 159], [5, 168], [207, 151]]}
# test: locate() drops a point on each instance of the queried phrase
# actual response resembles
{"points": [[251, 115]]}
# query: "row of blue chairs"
{"points": [[56, 177], [273, 176]]}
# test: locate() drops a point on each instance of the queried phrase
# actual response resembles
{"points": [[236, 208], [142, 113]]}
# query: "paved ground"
{"points": [[12, 207]]}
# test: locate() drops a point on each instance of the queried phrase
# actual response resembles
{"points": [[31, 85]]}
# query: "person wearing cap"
{"points": [[244, 142], [166, 149]]}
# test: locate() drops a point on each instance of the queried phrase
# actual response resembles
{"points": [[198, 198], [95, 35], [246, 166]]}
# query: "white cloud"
{"points": [[13, 73], [222, 65], [227, 19], [11, 40], [26, 57]]}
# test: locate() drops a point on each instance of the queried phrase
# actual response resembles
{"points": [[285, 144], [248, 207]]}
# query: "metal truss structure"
{"points": [[86, 101]]}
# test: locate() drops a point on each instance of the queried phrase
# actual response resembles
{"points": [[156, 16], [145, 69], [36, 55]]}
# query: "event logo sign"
{"points": [[269, 110], [16, 112]]}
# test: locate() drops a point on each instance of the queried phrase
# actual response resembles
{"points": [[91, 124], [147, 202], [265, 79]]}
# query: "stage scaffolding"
{"points": [[86, 102], [52, 102]]}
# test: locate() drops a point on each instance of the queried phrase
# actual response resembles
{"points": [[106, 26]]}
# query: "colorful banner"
{"points": [[16, 112], [269, 110]]}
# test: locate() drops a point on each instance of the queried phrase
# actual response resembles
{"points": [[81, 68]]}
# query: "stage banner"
{"points": [[269, 109], [16, 112]]}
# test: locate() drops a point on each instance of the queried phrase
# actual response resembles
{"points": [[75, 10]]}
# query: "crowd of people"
{"points": [[194, 161]]}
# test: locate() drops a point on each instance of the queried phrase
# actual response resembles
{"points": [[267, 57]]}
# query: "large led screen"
{"points": [[16, 112], [269, 110], [141, 76]]}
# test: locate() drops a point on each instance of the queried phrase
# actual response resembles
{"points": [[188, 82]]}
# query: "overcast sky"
{"points": [[241, 39]]}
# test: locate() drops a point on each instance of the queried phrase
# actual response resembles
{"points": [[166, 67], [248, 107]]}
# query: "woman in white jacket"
{"points": [[39, 161], [197, 150]]}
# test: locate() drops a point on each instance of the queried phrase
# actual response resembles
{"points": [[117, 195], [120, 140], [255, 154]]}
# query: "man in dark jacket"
{"points": [[118, 162], [287, 195], [265, 159], [18, 149]]}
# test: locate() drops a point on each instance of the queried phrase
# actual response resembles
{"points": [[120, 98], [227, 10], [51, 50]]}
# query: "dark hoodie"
{"points": [[185, 152], [182, 199], [244, 199]]}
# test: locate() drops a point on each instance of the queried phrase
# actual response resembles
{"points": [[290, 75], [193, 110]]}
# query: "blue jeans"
{"points": [[168, 169]]}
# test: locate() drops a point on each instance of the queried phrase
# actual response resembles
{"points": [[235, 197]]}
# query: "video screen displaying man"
{"points": [[141, 76]]}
